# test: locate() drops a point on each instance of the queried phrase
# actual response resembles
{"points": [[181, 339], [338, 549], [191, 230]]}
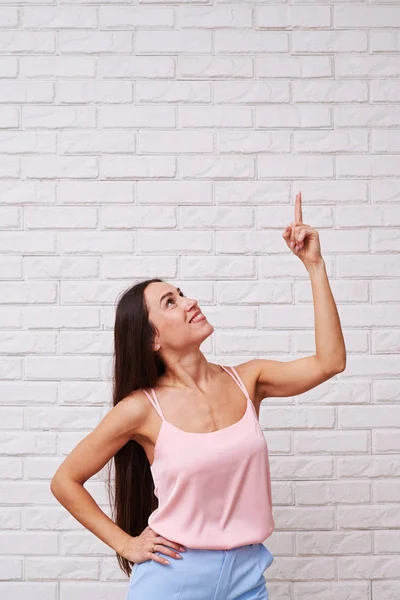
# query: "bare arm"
{"points": [[304, 242], [81, 504], [330, 346], [89, 457], [277, 378]]}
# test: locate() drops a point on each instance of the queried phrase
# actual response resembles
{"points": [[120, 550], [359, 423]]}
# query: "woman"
{"points": [[192, 480]]}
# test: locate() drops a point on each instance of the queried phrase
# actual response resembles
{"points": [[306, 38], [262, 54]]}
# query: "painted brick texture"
{"points": [[161, 138]]}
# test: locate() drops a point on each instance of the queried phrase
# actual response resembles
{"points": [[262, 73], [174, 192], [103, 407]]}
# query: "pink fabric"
{"points": [[214, 489]]}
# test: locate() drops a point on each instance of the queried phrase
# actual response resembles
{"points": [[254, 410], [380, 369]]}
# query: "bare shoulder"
{"points": [[137, 410], [249, 372]]}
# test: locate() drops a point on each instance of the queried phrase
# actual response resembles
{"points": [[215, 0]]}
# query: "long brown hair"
{"points": [[136, 366]]}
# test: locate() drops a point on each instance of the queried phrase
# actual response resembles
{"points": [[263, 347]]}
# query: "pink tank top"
{"points": [[213, 488]]}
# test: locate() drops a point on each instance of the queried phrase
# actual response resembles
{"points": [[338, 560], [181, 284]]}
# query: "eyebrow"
{"points": [[169, 294]]}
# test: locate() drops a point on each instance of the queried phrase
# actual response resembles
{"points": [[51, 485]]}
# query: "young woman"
{"points": [[192, 479]]}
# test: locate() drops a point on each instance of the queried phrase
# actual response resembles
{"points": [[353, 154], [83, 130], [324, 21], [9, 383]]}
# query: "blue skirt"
{"points": [[235, 574]]}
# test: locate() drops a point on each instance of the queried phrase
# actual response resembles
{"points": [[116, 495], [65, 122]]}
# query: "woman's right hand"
{"points": [[140, 548]]}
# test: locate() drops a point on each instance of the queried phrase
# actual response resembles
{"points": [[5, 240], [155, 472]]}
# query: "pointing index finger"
{"points": [[298, 215]]}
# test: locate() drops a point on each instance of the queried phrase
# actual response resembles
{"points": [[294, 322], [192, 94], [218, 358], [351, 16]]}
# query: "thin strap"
{"points": [[237, 379], [154, 401]]}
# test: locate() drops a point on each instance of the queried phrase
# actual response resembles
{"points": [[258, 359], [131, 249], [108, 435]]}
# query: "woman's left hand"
{"points": [[303, 239]]}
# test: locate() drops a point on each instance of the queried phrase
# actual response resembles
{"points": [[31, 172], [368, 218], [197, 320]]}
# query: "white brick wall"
{"points": [[169, 139]]}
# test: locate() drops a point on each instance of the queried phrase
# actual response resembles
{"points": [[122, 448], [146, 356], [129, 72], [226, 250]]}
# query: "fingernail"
{"points": [[182, 549], [167, 562]]}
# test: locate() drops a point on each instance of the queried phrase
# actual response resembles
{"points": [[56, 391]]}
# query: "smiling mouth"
{"points": [[198, 317]]}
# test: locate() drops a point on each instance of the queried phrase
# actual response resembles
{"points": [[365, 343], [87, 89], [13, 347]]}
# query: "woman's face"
{"points": [[170, 311]]}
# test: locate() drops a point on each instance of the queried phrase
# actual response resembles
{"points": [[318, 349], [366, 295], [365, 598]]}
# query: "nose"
{"points": [[191, 304]]}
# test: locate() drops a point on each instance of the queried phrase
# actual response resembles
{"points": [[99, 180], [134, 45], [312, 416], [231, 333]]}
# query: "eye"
{"points": [[170, 299]]}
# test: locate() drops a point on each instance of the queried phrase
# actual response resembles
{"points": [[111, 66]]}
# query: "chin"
{"points": [[211, 331]]}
